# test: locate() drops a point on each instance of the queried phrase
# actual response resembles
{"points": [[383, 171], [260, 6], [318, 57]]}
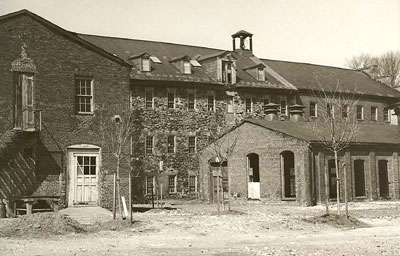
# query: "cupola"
{"points": [[243, 42]]}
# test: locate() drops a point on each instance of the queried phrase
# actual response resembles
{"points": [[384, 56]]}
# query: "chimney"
{"points": [[271, 111], [296, 113]]}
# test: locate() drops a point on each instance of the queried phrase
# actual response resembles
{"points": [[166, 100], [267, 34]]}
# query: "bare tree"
{"points": [[117, 123], [337, 126], [384, 68]]}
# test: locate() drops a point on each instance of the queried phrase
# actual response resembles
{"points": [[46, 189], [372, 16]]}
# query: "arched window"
{"points": [[289, 175]]}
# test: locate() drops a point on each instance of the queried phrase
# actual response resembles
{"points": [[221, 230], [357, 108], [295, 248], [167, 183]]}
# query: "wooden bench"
{"points": [[29, 201]]}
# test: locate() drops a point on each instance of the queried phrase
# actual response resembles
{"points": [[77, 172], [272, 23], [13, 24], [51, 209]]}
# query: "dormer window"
{"points": [[146, 66], [226, 66], [187, 67], [257, 71], [143, 61]]}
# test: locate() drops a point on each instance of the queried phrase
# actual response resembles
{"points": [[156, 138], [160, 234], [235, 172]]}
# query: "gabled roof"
{"points": [[70, 35], [315, 77], [368, 133]]}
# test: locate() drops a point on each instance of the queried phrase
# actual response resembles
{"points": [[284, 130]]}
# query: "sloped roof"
{"points": [[67, 34], [314, 77], [368, 133]]}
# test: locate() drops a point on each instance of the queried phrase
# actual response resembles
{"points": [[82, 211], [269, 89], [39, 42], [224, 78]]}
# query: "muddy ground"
{"points": [[252, 228]]}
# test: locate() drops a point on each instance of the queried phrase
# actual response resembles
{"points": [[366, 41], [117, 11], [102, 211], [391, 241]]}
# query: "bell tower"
{"points": [[242, 42]]}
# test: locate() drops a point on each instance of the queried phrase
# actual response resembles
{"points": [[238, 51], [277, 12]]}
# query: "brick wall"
{"points": [[58, 60]]}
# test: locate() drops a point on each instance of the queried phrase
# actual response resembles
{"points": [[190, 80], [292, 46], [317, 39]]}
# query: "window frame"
{"points": [[146, 101], [313, 108], [374, 113], [194, 100], [172, 189], [211, 94], [259, 76], [250, 105], [386, 115], [190, 185], [193, 146], [147, 185], [173, 100], [360, 107], [146, 148], [286, 107], [168, 144], [78, 95]]}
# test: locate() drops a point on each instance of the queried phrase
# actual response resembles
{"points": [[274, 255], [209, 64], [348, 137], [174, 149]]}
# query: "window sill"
{"points": [[85, 113]]}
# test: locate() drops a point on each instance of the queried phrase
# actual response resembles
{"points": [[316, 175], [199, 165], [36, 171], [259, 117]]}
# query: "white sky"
{"points": [[320, 32]]}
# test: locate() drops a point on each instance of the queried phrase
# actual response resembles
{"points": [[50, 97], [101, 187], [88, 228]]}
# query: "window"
{"points": [[149, 145], [386, 114], [330, 111], [149, 99], [374, 113], [191, 101], [86, 165], [313, 109], [172, 184], [171, 100], [171, 144], [227, 72], [192, 144], [187, 68], [146, 65], [84, 95], [345, 110], [360, 112], [284, 109], [210, 102], [230, 105], [265, 103], [260, 74], [249, 105], [150, 185], [192, 184]]}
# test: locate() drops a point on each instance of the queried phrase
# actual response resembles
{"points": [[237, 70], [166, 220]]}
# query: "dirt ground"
{"points": [[252, 228]]}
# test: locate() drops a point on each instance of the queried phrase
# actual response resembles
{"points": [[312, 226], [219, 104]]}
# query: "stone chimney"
{"points": [[271, 111], [296, 113]]}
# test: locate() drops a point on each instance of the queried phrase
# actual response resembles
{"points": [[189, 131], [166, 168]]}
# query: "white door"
{"points": [[254, 190], [83, 178]]}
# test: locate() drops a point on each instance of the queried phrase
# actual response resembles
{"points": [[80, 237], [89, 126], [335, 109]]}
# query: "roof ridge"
{"points": [[312, 64], [152, 41]]}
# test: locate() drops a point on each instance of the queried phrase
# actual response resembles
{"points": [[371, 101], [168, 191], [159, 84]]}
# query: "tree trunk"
{"points": [[337, 183], [218, 196], [114, 197], [118, 188], [229, 190], [326, 190], [345, 191]]}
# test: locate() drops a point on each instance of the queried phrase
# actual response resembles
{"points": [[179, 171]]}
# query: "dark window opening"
{"points": [[253, 167], [332, 179]]}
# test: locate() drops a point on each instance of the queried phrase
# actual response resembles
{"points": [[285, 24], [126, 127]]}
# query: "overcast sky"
{"points": [[320, 32]]}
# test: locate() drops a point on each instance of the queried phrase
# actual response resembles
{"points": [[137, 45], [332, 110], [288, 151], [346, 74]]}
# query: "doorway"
{"points": [[289, 175], [253, 171], [359, 178], [383, 178], [83, 173]]}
